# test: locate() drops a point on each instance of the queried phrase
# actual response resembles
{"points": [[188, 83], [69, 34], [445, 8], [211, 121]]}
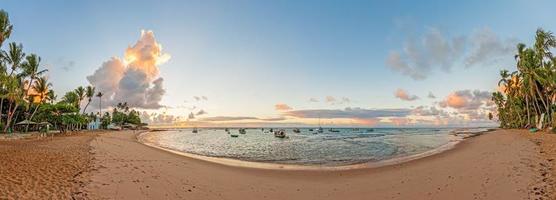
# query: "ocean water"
{"points": [[348, 146]]}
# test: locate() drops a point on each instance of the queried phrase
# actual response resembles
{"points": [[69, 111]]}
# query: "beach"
{"points": [[503, 164]]}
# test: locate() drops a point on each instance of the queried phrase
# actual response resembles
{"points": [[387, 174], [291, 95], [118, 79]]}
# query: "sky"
{"points": [[283, 63]]}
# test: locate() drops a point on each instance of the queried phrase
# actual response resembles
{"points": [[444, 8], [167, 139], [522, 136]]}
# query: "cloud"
{"points": [[335, 101], [199, 98], [314, 100], [434, 50], [348, 113], [467, 99], [239, 118], [282, 107], [156, 118], [273, 119], [472, 105], [227, 118], [191, 116], [201, 112], [403, 95], [431, 95], [487, 47], [135, 79], [429, 111], [330, 99]]}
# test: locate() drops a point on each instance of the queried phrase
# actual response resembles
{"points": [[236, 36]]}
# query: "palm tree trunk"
{"points": [[527, 107], [31, 118], [87, 105], [10, 117], [542, 100], [1, 106]]}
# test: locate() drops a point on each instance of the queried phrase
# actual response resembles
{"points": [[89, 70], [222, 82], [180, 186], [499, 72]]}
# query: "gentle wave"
{"points": [[345, 147]]}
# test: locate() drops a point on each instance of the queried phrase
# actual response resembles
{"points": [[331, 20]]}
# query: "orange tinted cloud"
{"points": [[282, 106], [403, 95], [456, 101]]}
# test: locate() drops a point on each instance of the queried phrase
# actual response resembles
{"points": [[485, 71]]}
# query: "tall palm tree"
{"points": [[14, 56], [71, 98], [80, 91], [99, 95], [42, 87], [89, 93], [14, 93], [5, 27], [51, 96], [31, 69]]}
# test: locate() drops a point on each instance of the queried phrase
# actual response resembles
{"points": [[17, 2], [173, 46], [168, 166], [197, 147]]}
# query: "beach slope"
{"points": [[503, 164]]}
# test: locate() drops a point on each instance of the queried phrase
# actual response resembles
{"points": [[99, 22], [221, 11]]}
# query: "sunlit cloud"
{"points": [[404, 95], [282, 107], [348, 112], [135, 78]]}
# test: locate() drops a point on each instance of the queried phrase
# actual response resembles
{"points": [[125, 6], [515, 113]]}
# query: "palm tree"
{"points": [[31, 69], [51, 96], [80, 91], [99, 95], [14, 93], [71, 98], [5, 27], [14, 56], [42, 87], [89, 93]]}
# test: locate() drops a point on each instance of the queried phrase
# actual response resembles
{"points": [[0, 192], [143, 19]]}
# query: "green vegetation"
{"points": [[527, 96], [27, 95]]}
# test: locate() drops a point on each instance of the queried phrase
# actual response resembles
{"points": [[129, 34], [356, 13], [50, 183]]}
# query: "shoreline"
{"points": [[452, 144], [279, 166]]}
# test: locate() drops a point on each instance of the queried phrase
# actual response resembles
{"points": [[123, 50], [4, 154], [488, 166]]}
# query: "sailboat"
{"points": [[319, 130]]}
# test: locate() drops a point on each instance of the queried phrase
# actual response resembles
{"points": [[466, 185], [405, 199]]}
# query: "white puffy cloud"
{"points": [[134, 79]]}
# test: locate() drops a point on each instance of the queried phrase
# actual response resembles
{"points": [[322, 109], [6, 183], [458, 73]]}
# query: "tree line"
{"points": [[27, 95], [527, 96]]}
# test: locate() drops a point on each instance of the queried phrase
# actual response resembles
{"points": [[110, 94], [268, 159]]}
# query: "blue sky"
{"points": [[248, 56]]}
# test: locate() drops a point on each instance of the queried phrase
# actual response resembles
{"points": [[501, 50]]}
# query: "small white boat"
{"points": [[242, 131]]}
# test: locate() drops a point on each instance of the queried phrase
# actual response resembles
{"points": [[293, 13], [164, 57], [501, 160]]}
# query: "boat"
{"points": [[195, 130], [280, 134], [296, 130], [311, 129], [234, 135], [319, 130], [333, 130], [370, 130], [242, 131]]}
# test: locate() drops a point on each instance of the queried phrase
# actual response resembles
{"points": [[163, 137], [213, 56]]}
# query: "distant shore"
{"points": [[504, 164]]}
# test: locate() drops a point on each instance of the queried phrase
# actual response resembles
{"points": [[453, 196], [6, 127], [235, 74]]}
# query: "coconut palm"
{"points": [[14, 93], [41, 87], [71, 98], [5, 27], [14, 56], [99, 95], [80, 91], [531, 90], [89, 93], [51, 96]]}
